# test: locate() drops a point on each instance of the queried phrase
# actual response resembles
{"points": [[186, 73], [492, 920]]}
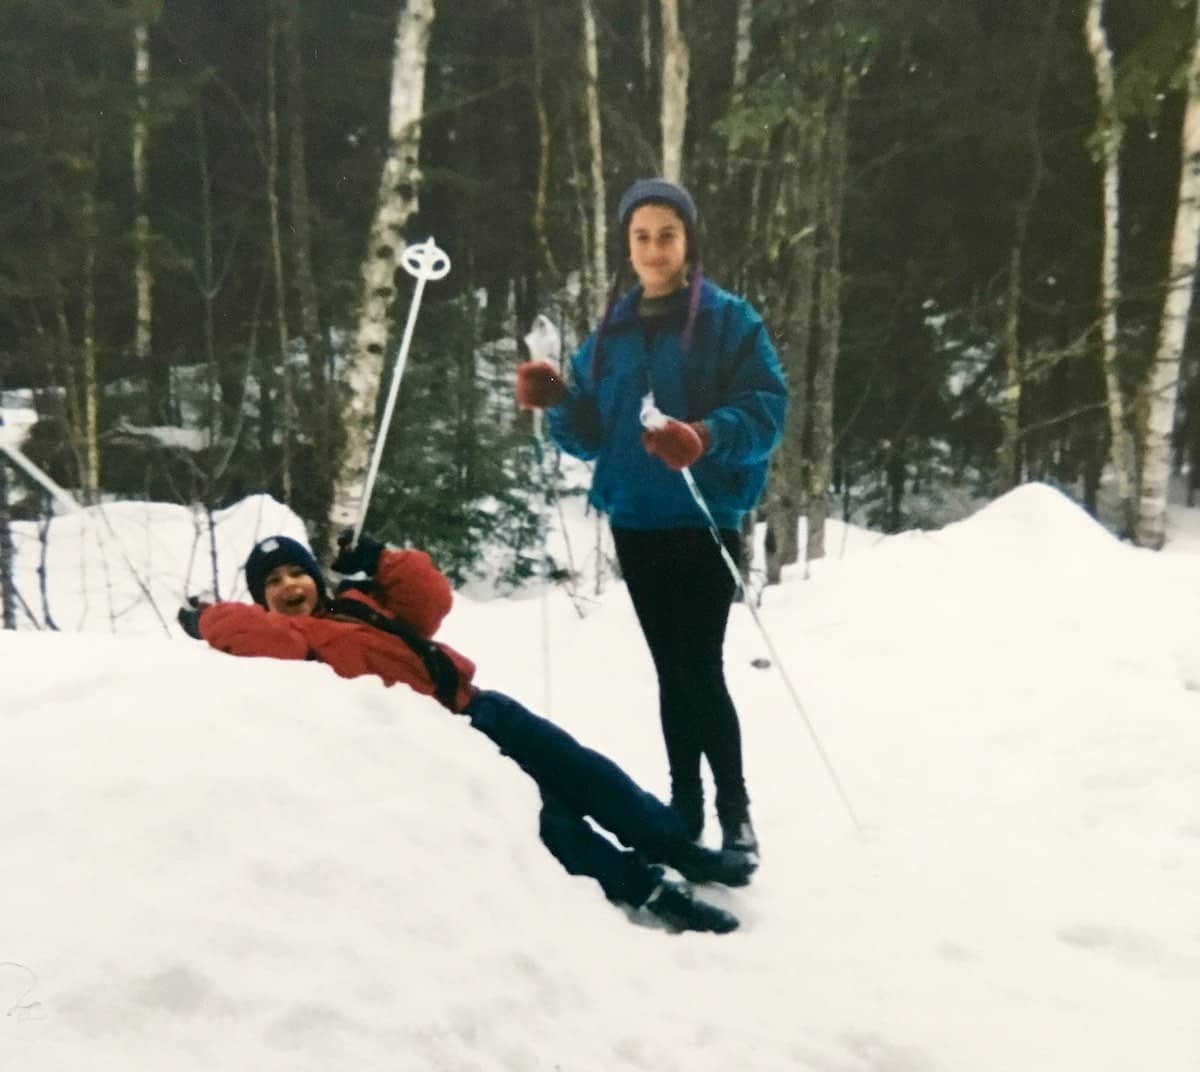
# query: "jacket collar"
{"points": [[625, 311]]}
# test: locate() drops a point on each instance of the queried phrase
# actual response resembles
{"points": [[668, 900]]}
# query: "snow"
{"points": [[213, 862], [168, 435], [17, 417]]}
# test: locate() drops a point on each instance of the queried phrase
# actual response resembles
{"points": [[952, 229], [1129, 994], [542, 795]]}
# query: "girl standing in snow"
{"points": [[705, 357], [384, 626]]}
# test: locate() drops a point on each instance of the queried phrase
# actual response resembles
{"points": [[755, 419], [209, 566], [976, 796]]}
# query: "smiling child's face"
{"points": [[290, 590], [658, 249]]}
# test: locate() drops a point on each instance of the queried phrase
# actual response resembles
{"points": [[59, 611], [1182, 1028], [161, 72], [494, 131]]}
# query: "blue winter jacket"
{"points": [[730, 378]]}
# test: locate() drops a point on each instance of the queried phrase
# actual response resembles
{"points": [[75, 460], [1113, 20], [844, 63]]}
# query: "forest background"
{"points": [[970, 227]]}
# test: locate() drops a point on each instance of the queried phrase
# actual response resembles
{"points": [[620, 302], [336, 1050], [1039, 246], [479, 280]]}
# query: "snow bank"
{"points": [[126, 567], [213, 862]]}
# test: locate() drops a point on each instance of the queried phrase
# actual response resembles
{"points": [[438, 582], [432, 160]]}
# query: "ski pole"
{"points": [[652, 417], [545, 344], [423, 261]]}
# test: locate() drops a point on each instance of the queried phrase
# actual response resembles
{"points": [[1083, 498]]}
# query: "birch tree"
{"points": [[395, 202], [591, 64], [1107, 148], [674, 90], [599, 210], [1162, 384]]}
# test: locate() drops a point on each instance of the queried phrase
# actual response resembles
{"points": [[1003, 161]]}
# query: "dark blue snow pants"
{"points": [[575, 782]]}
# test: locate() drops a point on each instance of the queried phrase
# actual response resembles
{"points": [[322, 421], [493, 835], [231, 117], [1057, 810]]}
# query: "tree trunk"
{"points": [[1163, 382], [60, 349], [73, 406], [585, 313], [91, 389], [395, 202], [802, 165], [156, 405], [541, 187], [1006, 475], [674, 90], [208, 284], [791, 196], [1008, 461], [8, 591], [829, 315], [647, 41], [281, 327], [320, 478], [599, 212], [1111, 131], [741, 49], [746, 549], [299, 210]]}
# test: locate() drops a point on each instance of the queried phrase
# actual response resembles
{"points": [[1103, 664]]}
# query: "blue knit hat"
{"points": [[280, 551], [658, 192]]}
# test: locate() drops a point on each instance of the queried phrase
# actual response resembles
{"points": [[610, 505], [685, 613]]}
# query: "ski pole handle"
{"points": [[544, 341], [424, 262], [652, 417]]}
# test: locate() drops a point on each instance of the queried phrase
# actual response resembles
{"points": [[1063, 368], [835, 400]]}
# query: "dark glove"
{"points": [[539, 385], [362, 557], [677, 444], [189, 617]]}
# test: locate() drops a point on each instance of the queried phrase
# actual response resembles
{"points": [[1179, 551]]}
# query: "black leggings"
{"points": [[682, 591]]}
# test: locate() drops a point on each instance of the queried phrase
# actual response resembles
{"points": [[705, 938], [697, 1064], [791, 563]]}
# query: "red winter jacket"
{"points": [[408, 587]]}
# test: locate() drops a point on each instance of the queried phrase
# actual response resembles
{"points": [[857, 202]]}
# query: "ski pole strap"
{"points": [[438, 665]]}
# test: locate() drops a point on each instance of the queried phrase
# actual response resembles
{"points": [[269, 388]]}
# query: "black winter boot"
{"points": [[737, 832], [740, 838], [674, 905], [698, 864]]}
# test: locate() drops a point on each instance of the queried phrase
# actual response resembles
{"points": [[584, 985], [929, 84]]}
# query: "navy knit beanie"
{"points": [[658, 192], [280, 551]]}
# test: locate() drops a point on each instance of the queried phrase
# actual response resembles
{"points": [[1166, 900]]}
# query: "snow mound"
{"points": [[205, 848], [1033, 530], [1036, 517], [125, 567]]}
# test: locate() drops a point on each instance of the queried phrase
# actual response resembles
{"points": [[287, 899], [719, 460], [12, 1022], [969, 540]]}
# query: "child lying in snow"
{"points": [[385, 627]]}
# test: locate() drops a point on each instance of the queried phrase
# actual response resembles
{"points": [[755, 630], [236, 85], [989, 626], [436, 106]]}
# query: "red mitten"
{"points": [[410, 587], [539, 385], [677, 444]]}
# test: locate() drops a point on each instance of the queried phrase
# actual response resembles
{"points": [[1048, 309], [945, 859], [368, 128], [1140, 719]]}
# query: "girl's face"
{"points": [[289, 590], [658, 249]]}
